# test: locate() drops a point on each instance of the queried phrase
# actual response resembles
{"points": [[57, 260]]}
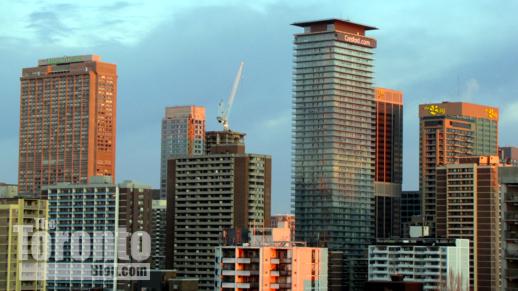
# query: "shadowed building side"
{"points": [[468, 207], [206, 194], [508, 178], [389, 161]]}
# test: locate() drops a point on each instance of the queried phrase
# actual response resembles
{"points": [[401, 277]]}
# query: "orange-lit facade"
{"points": [[389, 135], [284, 220], [389, 161], [273, 267], [450, 130], [67, 122]]}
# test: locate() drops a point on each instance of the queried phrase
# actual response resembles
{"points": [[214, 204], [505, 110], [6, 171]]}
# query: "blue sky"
{"points": [[187, 52]]}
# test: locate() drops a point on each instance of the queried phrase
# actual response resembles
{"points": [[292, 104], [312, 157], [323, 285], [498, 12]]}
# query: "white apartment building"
{"points": [[439, 264]]}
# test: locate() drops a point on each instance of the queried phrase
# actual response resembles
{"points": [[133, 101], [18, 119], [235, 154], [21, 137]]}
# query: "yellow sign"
{"points": [[435, 110], [491, 113]]}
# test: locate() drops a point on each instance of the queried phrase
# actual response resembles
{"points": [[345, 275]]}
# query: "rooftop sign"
{"points": [[491, 113], [459, 109], [67, 60], [357, 39], [435, 110]]}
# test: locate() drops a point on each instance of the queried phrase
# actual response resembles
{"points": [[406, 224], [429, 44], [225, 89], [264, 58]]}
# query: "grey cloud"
{"points": [[48, 25]]}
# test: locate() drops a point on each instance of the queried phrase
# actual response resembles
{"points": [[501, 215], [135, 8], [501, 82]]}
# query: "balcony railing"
{"points": [[243, 260]]}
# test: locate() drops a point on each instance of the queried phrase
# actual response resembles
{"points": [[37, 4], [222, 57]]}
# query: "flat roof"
{"points": [[456, 103], [7, 184], [333, 20], [68, 60], [447, 108], [415, 242]]}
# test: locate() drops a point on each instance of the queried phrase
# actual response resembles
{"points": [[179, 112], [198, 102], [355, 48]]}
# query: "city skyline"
{"points": [[408, 59]]}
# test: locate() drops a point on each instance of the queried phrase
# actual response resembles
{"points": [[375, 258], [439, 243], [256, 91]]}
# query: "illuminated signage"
{"points": [[380, 94], [491, 113], [435, 110], [357, 39]]}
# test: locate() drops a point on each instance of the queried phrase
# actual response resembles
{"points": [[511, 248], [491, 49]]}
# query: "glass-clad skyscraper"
{"points": [[183, 133], [334, 135]]}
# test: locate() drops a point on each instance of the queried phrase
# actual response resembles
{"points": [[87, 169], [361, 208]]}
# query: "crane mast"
{"points": [[224, 109]]}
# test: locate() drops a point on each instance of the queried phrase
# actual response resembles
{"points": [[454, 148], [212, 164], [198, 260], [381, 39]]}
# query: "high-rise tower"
{"points": [[333, 138], [183, 133], [389, 161], [225, 189], [450, 130], [67, 122], [468, 205]]}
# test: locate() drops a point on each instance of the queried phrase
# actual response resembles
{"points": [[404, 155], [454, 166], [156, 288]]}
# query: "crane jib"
{"points": [[224, 110]]}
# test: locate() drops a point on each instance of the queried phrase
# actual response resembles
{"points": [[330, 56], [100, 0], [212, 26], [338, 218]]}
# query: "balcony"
{"points": [[228, 272], [285, 272], [285, 260], [284, 285], [243, 260], [243, 285], [245, 273]]}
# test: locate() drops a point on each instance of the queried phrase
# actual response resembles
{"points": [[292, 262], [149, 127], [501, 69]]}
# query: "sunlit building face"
{"points": [[67, 122]]}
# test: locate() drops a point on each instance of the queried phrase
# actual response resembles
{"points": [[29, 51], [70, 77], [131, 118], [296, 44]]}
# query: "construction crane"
{"points": [[224, 109]]}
